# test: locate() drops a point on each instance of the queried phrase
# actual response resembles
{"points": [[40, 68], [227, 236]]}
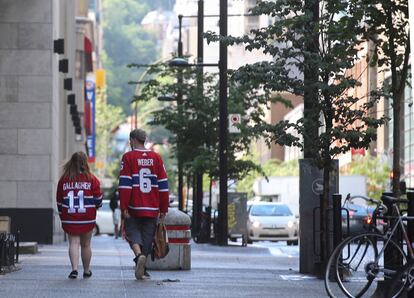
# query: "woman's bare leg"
{"points": [[86, 251], [74, 243]]}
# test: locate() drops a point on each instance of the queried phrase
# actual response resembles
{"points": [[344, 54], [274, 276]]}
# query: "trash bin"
{"points": [[179, 234], [237, 216]]}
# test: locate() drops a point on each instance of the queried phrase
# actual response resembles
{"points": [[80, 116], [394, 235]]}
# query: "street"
{"points": [[263, 269], [280, 249]]}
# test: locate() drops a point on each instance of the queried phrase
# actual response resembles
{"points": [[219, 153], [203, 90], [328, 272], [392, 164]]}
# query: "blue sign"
{"points": [[90, 104]]}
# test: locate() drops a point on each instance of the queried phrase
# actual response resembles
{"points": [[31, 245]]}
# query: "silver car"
{"points": [[104, 221], [273, 222]]}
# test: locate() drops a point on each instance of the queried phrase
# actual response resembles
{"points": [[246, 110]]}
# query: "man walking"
{"points": [[143, 191]]}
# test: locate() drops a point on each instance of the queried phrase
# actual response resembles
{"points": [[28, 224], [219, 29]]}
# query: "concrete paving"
{"points": [[231, 271]]}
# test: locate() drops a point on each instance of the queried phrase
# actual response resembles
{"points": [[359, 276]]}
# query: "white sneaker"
{"points": [[140, 268]]}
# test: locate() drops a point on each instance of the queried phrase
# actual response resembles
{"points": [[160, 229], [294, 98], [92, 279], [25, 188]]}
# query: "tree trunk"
{"points": [[396, 167], [310, 96]]}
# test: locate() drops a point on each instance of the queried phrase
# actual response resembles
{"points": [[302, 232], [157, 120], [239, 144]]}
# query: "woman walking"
{"points": [[78, 196]]}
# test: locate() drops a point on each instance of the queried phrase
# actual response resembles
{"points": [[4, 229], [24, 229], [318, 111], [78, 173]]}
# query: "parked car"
{"points": [[360, 218], [104, 222], [188, 207], [272, 221]]}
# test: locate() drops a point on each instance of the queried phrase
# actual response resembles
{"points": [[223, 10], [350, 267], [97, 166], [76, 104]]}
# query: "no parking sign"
{"points": [[234, 120]]}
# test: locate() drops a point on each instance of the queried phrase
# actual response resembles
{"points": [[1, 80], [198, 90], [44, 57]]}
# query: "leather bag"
{"points": [[160, 246]]}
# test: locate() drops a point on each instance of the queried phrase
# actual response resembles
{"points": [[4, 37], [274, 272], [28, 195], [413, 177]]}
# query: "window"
{"points": [[270, 210]]}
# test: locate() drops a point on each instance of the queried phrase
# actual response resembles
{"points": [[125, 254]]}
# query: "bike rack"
{"points": [[315, 232], [335, 214]]}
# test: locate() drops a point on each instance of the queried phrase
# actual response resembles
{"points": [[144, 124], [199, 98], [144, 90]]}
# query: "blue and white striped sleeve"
{"points": [[125, 182], [163, 185]]}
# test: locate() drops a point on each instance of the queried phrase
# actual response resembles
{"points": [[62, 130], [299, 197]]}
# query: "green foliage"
{"points": [[193, 118], [376, 171], [125, 41], [312, 59], [277, 168], [388, 29], [272, 167], [107, 118]]}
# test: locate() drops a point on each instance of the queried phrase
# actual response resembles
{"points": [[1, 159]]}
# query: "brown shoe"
{"points": [[140, 267]]}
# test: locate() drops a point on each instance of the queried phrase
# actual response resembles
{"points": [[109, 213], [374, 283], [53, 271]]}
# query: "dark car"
{"points": [[359, 216]]}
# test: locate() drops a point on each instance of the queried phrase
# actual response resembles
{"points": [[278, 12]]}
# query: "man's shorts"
{"points": [[141, 230]]}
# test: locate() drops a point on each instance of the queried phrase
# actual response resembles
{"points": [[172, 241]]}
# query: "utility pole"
{"points": [[198, 198], [179, 106], [223, 129]]}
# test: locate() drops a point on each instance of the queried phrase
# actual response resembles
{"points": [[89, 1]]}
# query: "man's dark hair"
{"points": [[138, 134]]}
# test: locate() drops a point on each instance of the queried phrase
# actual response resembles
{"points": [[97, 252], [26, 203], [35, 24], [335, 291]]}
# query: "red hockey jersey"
{"points": [[77, 201], [143, 184]]}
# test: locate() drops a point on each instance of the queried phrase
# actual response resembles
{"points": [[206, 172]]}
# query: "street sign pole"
{"points": [[223, 131]]}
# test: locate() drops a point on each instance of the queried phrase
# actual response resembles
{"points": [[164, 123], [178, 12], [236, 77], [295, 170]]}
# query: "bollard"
{"points": [[179, 257], [410, 225], [337, 219]]}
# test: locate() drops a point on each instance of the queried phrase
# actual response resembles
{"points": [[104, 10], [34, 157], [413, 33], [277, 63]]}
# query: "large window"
{"points": [[407, 154], [408, 137]]}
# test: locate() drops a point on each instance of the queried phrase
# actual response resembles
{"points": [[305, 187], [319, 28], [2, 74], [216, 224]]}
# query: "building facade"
{"points": [[41, 108]]}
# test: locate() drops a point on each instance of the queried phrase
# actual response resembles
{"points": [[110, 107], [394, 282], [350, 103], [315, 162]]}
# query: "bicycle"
{"points": [[404, 278], [360, 263]]}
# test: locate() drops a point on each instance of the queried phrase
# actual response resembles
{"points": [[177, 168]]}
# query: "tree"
{"points": [[125, 40], [344, 119], [107, 118], [389, 31], [194, 121], [272, 167], [376, 171]]}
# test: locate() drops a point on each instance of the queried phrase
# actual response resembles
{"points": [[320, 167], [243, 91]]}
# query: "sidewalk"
{"points": [[232, 271]]}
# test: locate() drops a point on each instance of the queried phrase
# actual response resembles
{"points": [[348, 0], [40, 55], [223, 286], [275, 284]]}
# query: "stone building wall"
{"points": [[36, 132]]}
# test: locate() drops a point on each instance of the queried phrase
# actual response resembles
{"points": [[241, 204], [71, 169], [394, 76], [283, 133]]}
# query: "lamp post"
{"points": [[198, 200], [223, 129], [196, 204], [223, 112], [179, 106]]}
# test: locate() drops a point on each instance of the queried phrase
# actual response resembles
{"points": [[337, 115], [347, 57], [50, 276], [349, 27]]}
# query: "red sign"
{"points": [[359, 151]]}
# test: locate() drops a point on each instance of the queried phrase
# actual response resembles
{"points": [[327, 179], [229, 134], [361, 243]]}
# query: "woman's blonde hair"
{"points": [[76, 165]]}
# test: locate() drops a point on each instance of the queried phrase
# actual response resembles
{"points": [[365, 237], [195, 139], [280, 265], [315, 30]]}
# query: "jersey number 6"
{"points": [[144, 181]]}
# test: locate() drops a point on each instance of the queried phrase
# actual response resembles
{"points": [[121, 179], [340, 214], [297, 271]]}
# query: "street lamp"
{"points": [[223, 129], [223, 112], [178, 61]]}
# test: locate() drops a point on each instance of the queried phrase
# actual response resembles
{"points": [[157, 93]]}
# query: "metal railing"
{"points": [[9, 251]]}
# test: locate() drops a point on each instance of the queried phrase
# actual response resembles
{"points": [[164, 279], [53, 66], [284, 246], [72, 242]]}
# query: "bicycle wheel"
{"points": [[403, 279], [357, 265]]}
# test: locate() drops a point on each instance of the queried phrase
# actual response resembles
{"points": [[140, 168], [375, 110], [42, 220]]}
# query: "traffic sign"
{"points": [[234, 120]]}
